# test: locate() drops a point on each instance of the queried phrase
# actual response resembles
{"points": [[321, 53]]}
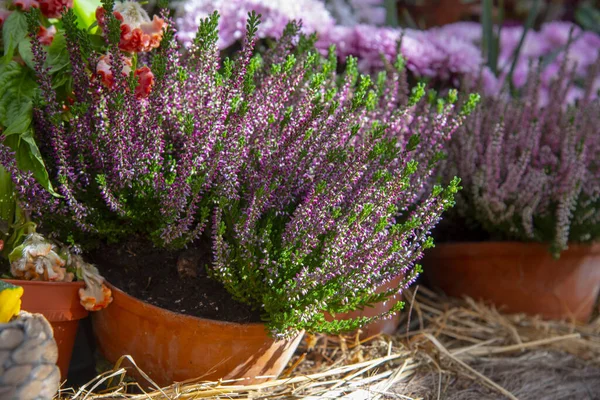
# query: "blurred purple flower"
{"points": [[353, 12], [233, 14]]}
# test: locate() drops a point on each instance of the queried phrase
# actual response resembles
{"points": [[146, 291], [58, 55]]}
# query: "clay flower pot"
{"points": [[28, 356], [172, 347], [382, 326], [59, 303], [519, 277]]}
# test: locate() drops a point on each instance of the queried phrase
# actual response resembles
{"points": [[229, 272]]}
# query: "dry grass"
{"points": [[445, 348]]}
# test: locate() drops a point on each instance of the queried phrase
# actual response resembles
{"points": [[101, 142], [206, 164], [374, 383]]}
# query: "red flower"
{"points": [[145, 79], [46, 35], [106, 74], [54, 8], [138, 32], [144, 75], [26, 4]]}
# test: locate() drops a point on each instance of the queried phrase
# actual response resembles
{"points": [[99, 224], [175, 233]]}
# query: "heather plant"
{"points": [[22, 21], [313, 188], [531, 173]]}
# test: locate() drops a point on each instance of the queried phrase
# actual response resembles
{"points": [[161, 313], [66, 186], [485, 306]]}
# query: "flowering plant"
{"points": [[531, 172], [314, 188]]}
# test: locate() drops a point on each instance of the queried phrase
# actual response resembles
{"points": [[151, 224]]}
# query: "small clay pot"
{"points": [[382, 326], [519, 277], [59, 303], [172, 347]]}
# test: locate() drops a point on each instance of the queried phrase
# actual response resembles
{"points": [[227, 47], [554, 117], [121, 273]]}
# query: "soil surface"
{"points": [[448, 231], [174, 280]]}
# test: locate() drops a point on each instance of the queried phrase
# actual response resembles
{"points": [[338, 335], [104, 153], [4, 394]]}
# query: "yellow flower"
{"points": [[10, 301]]}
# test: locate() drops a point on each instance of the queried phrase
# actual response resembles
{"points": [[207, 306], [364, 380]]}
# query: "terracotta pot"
{"points": [[59, 303], [383, 326], [172, 347], [519, 277]]}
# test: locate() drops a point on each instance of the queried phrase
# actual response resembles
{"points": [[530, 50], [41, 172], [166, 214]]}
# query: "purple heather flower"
{"points": [[529, 164], [353, 12], [557, 32], [314, 187], [276, 15], [534, 46], [461, 57], [467, 31]]}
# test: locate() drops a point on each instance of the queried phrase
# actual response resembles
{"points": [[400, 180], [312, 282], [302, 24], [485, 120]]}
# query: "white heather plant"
{"points": [[313, 185]]}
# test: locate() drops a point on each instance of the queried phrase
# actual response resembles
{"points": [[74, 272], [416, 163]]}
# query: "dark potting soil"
{"points": [[174, 280], [448, 231]]}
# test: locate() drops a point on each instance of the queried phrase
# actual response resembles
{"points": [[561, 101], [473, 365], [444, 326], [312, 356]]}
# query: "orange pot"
{"points": [[172, 347], [382, 326], [520, 277], [59, 303]]}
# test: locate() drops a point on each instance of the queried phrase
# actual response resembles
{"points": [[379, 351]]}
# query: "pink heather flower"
{"points": [[46, 35], [275, 15], [138, 32], [305, 191], [528, 164], [26, 4], [54, 8]]}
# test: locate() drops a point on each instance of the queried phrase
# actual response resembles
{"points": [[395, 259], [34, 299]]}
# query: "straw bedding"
{"points": [[444, 349]]}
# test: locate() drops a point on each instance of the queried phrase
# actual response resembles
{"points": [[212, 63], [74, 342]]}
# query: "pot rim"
{"points": [[175, 314], [25, 282], [507, 248]]}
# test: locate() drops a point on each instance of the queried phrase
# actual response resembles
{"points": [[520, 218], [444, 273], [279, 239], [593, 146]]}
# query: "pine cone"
{"points": [[28, 355]]}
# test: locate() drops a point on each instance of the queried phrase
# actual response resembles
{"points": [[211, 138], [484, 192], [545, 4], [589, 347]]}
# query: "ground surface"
{"points": [[444, 349]]}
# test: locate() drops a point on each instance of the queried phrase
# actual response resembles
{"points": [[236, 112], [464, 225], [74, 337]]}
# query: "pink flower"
{"points": [[105, 71], [467, 31], [138, 32], [54, 8], [557, 32], [46, 35], [460, 56], [233, 14], [344, 38], [534, 45], [144, 75]]}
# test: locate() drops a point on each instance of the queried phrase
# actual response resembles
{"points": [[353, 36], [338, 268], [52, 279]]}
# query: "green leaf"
{"points": [[17, 87], [21, 122], [7, 198], [16, 253], [85, 11], [13, 31], [26, 53], [29, 158], [58, 55]]}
